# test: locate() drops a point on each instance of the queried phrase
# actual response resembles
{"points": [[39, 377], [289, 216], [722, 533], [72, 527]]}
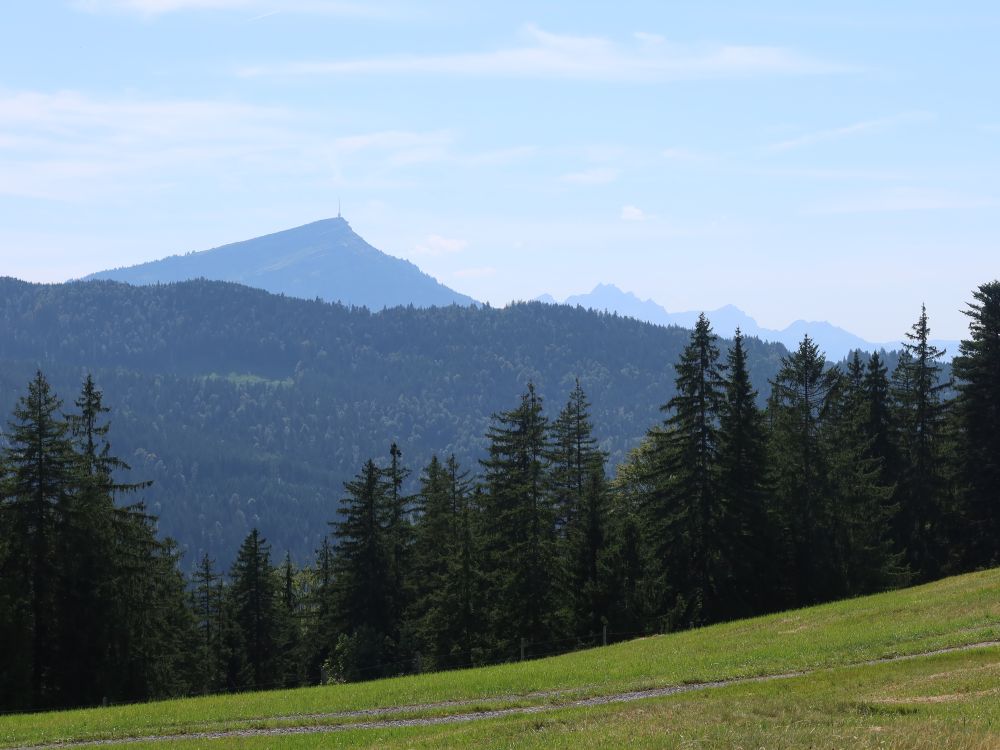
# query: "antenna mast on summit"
{"points": [[338, 209]]}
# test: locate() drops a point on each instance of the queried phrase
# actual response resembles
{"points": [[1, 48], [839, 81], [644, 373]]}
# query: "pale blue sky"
{"points": [[840, 162]]}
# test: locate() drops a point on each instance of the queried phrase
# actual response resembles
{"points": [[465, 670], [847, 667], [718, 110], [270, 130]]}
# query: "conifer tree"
{"points": [[445, 569], [289, 626], [860, 508], [364, 579], [521, 549], [745, 535], [879, 427], [801, 398], [255, 603], [631, 537], [978, 371], [399, 538], [922, 488], [207, 603], [43, 475], [580, 497], [320, 620], [687, 492]]}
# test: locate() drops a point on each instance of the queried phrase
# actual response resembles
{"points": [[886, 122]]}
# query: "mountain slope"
{"points": [[836, 342], [250, 409], [324, 259]]}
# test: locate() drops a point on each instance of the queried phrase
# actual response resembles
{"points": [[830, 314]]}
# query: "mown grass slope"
{"points": [[836, 638]]}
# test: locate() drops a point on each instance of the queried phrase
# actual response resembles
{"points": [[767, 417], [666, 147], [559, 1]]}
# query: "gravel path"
{"points": [[461, 718]]}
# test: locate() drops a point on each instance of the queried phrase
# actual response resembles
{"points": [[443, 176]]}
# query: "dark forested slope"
{"points": [[248, 408]]}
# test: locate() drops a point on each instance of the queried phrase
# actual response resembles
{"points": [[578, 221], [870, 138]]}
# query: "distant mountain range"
{"points": [[836, 342], [325, 259]]}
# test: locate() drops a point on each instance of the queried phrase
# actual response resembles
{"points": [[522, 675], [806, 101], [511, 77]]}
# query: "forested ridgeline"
{"points": [[245, 408], [849, 481]]}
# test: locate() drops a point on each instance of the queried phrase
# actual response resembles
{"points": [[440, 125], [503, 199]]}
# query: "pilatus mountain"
{"points": [[325, 259]]}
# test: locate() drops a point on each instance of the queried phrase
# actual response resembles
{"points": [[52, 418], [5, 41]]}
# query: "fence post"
{"points": [[604, 636], [522, 649]]}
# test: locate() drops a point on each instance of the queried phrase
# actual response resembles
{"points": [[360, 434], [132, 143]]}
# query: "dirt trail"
{"points": [[460, 718]]}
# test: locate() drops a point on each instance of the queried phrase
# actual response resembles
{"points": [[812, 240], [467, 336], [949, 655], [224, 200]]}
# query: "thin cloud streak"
{"points": [[847, 131], [265, 8], [907, 199], [68, 146], [560, 56]]}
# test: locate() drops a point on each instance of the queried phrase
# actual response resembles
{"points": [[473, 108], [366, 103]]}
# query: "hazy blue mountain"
{"points": [[835, 341], [325, 259]]}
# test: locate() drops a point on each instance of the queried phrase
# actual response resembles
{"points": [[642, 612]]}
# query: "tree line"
{"points": [[850, 480]]}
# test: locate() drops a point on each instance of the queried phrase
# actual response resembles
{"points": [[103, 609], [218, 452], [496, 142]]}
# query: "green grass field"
{"points": [[945, 700]]}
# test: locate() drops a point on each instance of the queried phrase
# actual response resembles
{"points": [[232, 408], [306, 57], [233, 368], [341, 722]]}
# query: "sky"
{"points": [[820, 161]]}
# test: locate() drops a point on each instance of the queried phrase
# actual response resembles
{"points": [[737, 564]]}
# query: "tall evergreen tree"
{"points": [[580, 496], [399, 537], [800, 403], [687, 495], [745, 535], [878, 423], [43, 475], [920, 415], [978, 372], [521, 549], [364, 578], [446, 569], [631, 565], [207, 603], [255, 602]]}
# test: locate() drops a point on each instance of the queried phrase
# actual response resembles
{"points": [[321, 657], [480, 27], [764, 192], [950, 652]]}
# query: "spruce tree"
{"points": [[687, 496], [43, 476], [255, 607], [632, 568], [978, 371], [580, 495], [862, 555], [364, 579], [800, 402], [207, 604], [399, 538], [520, 515], [922, 488], [445, 569], [878, 425], [745, 536]]}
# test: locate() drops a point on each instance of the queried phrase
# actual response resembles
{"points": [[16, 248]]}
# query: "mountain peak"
{"points": [[325, 259]]}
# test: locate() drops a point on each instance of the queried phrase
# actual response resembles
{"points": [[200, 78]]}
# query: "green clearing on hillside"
{"points": [[955, 611], [944, 701]]}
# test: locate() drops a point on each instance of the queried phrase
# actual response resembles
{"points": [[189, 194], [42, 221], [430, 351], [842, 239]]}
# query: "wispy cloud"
{"points": [[71, 146], [435, 245], [847, 131], [632, 213], [548, 55], [263, 8], [907, 199], [596, 176]]}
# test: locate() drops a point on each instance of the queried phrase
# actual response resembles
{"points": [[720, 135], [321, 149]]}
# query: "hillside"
{"points": [[913, 668], [325, 260], [251, 409]]}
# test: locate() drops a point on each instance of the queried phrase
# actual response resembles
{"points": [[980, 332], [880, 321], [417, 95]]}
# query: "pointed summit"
{"points": [[324, 259]]}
